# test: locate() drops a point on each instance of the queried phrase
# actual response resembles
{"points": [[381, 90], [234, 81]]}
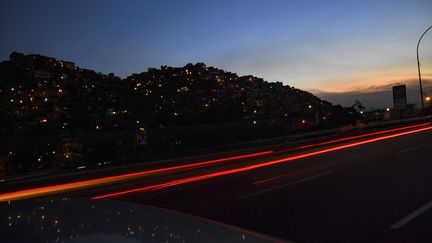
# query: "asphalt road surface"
{"points": [[374, 189]]}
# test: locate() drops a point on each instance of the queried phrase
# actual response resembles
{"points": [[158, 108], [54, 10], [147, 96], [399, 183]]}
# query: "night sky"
{"points": [[320, 46]]}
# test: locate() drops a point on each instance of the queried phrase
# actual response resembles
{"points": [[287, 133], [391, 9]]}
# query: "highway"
{"points": [[370, 188]]}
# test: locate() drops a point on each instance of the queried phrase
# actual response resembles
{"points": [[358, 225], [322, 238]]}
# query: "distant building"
{"points": [[69, 65], [41, 75]]}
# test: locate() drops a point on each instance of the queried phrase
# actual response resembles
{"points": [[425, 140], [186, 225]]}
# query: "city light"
{"points": [[428, 98]]}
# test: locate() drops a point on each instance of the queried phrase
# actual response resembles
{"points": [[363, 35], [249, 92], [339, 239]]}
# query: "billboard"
{"points": [[399, 97]]}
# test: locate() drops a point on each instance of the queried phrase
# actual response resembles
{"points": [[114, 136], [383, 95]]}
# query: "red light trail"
{"points": [[252, 167], [46, 190], [40, 191], [352, 138]]}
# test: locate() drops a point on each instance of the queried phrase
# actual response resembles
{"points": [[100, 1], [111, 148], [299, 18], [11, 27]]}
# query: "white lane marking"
{"points": [[414, 148], [411, 216], [287, 184]]}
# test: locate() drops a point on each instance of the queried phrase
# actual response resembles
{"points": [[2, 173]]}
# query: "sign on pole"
{"points": [[399, 97]]}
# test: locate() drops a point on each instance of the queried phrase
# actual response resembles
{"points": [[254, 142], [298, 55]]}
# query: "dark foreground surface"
{"points": [[81, 220]]}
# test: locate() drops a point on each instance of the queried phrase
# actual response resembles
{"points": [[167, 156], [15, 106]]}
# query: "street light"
{"points": [[418, 67]]}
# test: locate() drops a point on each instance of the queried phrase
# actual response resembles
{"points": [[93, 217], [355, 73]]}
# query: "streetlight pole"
{"points": [[418, 67]]}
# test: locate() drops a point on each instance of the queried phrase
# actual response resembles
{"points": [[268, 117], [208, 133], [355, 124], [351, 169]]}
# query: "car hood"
{"points": [[82, 220]]}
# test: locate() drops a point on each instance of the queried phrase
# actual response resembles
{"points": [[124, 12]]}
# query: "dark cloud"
{"points": [[376, 96]]}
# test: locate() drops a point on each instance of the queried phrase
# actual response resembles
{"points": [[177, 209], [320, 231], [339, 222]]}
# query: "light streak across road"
{"points": [[252, 167], [46, 190], [352, 138], [83, 184]]}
